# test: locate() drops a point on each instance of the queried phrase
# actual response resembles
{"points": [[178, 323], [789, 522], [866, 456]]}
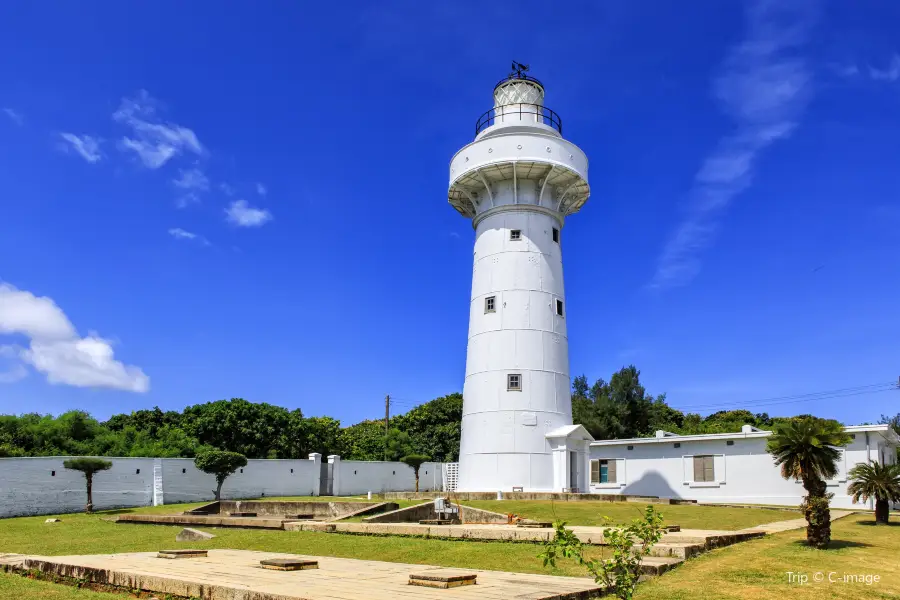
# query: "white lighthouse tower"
{"points": [[518, 181]]}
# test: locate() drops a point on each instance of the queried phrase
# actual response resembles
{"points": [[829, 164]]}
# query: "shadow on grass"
{"points": [[837, 544], [121, 511], [872, 523]]}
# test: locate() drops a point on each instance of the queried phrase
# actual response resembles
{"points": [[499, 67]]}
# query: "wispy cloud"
{"points": [[86, 146], [180, 234], [16, 117], [242, 214], [191, 179], [890, 73], [191, 182], [261, 189], [764, 86], [56, 349], [154, 142], [227, 189]]}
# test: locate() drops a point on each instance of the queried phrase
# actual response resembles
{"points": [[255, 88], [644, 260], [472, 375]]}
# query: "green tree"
{"points": [[434, 427], [256, 430], [364, 441], [806, 449], [415, 461], [220, 463], [875, 480], [397, 445], [88, 466], [629, 544]]}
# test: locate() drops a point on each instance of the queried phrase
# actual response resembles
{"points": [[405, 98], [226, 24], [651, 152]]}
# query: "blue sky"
{"points": [[200, 202]]}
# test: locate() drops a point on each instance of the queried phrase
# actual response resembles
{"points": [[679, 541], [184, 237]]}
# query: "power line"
{"points": [[797, 398]]}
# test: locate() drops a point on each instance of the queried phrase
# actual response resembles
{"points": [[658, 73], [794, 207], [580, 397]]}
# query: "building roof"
{"points": [[570, 431], [747, 432]]}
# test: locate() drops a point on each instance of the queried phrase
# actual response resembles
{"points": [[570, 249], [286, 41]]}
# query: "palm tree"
{"points": [[806, 449], [878, 481]]}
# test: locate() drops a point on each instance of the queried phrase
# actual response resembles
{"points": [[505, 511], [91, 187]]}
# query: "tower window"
{"points": [[515, 235], [490, 304], [559, 307], [556, 235], [514, 383]]}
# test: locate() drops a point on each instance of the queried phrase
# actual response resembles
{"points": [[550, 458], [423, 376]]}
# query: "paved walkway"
{"points": [[779, 526], [236, 574]]}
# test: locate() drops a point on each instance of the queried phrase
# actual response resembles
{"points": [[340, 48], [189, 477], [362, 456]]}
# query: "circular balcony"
{"points": [[519, 114]]}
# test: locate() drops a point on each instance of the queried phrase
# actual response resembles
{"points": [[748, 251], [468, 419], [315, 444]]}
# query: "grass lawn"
{"points": [[689, 516], [755, 569]]}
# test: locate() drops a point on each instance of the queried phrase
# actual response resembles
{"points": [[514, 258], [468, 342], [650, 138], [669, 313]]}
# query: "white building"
{"points": [[723, 468], [518, 181]]}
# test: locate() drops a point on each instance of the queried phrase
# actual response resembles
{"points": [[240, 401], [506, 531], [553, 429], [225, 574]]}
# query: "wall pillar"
{"points": [[316, 458], [158, 496], [334, 462]]}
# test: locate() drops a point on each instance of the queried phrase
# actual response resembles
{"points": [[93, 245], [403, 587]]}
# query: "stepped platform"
{"points": [[227, 574]]}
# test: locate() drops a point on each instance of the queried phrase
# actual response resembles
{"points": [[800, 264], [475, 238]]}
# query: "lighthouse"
{"points": [[518, 181]]}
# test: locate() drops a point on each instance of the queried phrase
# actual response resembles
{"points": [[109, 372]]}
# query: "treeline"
{"points": [[256, 430], [619, 408]]}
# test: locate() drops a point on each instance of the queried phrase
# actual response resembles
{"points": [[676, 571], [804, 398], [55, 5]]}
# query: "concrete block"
{"points": [[181, 554], [442, 579], [192, 535], [289, 564]]}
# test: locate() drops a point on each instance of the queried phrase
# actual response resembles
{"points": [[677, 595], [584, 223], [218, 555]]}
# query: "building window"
{"points": [[559, 308], [242, 470], [137, 472], [52, 473], [678, 444], [183, 471], [704, 469], [292, 470], [603, 471], [514, 383], [729, 443], [515, 235], [556, 235], [631, 447], [490, 304]]}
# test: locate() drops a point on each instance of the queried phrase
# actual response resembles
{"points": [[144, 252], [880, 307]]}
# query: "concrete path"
{"points": [[237, 575], [791, 524]]}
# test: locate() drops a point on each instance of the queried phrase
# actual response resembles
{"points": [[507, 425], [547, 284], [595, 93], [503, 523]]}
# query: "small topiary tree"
{"points": [[415, 461], [630, 544], [88, 465], [220, 463]]}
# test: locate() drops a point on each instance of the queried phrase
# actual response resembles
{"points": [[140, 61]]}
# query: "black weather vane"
{"points": [[518, 70]]}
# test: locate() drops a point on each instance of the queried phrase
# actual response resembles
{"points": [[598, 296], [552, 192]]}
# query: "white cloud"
{"points": [[86, 146], [56, 349], [17, 371], [243, 215], [764, 87], [16, 117], [154, 141], [180, 234], [191, 179], [891, 73], [261, 189], [185, 200]]}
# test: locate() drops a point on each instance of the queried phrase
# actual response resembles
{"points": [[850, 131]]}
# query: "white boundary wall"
{"points": [[41, 485], [358, 477], [743, 471]]}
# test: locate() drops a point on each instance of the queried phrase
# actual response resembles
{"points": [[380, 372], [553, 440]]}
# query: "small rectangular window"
{"points": [[678, 444], [490, 304], [514, 383], [559, 308], [515, 235], [603, 471], [729, 443], [704, 469], [556, 235], [631, 447]]}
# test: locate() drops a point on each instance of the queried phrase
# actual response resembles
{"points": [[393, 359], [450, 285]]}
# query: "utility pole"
{"points": [[387, 419]]}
